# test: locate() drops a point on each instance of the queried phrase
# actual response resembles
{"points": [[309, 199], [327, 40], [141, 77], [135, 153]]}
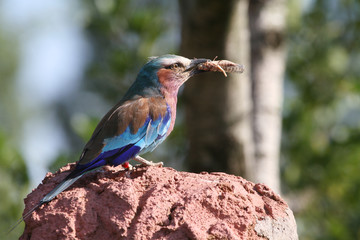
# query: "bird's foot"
{"points": [[145, 162]]}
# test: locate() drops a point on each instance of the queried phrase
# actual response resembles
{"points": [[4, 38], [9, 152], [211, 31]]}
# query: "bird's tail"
{"points": [[67, 182], [70, 179], [26, 215], [59, 188]]}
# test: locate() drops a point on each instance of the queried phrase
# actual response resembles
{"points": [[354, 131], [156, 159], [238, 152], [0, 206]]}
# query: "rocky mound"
{"points": [[158, 203]]}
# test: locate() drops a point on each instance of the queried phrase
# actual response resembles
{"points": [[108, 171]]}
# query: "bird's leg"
{"points": [[127, 166], [147, 163]]}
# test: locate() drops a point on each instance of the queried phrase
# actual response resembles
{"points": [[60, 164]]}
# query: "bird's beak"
{"points": [[192, 67]]}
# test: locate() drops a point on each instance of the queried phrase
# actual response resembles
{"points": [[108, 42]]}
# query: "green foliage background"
{"points": [[321, 127], [13, 175], [321, 132]]}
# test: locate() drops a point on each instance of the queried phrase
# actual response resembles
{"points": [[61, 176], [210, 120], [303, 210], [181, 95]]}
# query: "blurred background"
{"points": [[291, 121]]}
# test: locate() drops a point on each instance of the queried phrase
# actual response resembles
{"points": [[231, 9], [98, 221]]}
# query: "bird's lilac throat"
{"points": [[169, 88]]}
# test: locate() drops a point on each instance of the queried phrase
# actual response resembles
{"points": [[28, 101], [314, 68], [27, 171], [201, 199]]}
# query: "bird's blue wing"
{"points": [[121, 148], [127, 145]]}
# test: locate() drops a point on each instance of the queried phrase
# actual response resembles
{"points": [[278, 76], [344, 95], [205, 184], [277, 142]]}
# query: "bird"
{"points": [[137, 124]]}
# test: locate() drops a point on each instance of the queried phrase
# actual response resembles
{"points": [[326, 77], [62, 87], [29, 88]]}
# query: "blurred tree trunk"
{"points": [[234, 123], [217, 108], [267, 25]]}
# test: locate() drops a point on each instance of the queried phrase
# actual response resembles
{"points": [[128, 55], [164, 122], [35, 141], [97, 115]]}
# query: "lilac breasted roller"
{"points": [[142, 119]]}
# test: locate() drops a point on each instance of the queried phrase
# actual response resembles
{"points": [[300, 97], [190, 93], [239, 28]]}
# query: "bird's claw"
{"points": [[145, 162], [157, 164]]}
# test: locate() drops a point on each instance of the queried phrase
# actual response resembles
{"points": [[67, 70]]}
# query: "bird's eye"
{"points": [[174, 66]]}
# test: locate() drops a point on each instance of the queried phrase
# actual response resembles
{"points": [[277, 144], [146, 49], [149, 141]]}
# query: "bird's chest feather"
{"points": [[169, 88]]}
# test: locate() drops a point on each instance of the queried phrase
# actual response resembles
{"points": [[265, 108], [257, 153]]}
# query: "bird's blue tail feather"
{"points": [[59, 188]]}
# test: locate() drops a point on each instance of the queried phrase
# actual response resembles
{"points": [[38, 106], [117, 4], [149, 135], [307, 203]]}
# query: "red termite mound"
{"points": [[158, 203]]}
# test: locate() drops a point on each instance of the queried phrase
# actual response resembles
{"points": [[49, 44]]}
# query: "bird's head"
{"points": [[166, 74]]}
